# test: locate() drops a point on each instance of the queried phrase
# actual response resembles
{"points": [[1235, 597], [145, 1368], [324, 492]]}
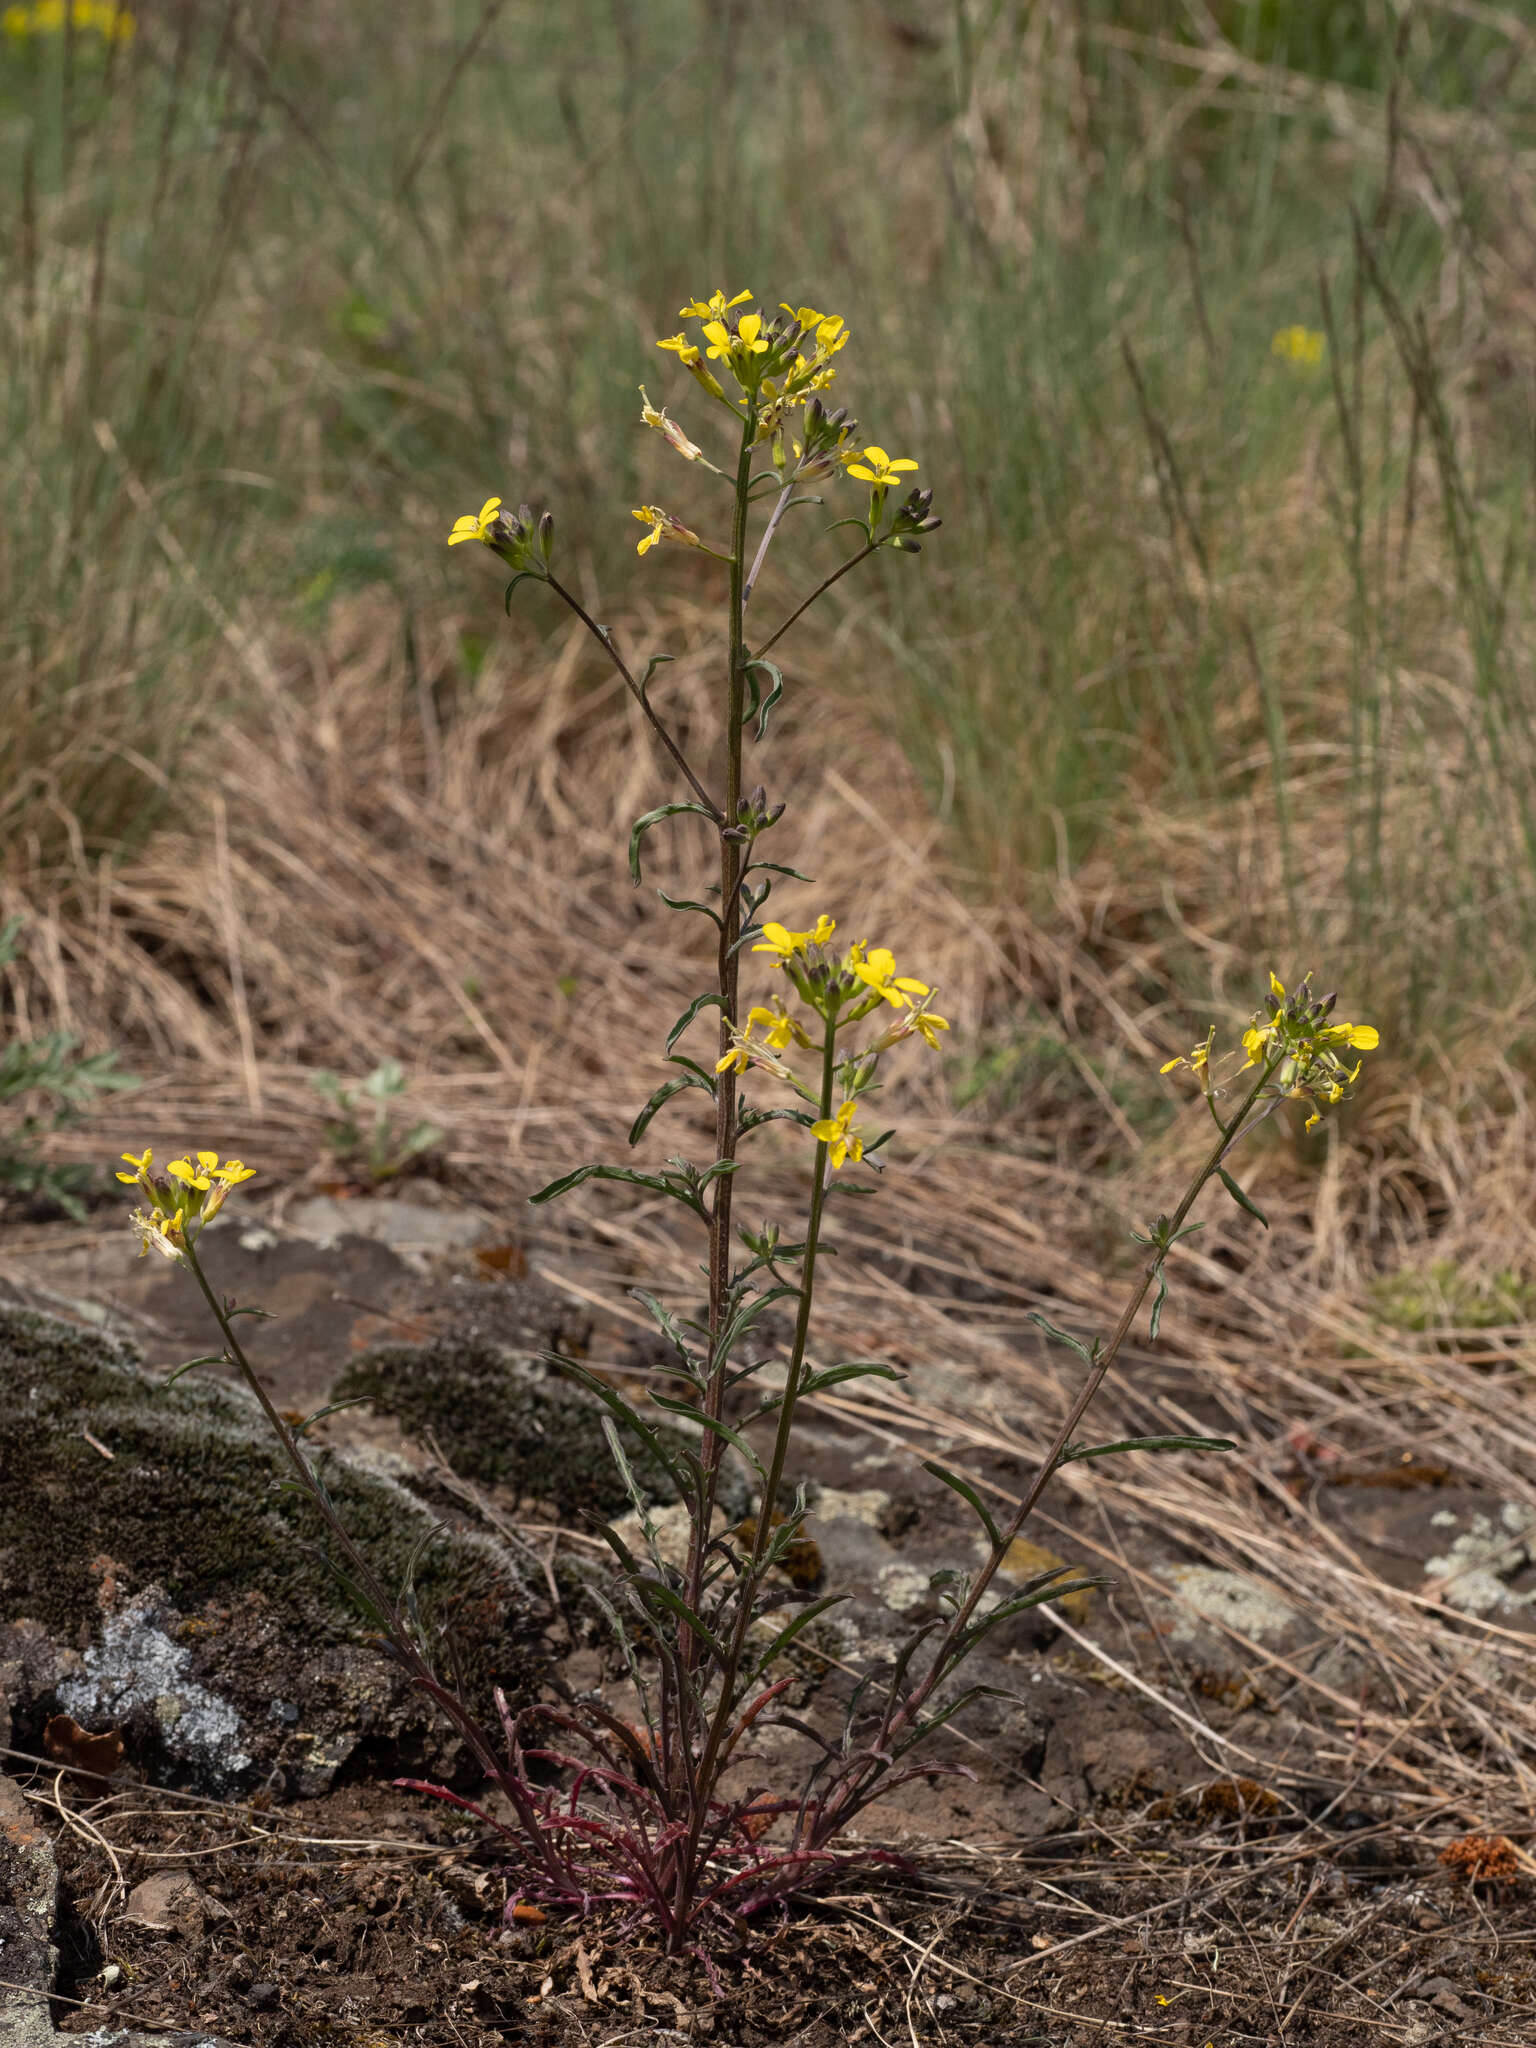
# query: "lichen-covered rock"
{"points": [[183, 1588], [503, 1420]]}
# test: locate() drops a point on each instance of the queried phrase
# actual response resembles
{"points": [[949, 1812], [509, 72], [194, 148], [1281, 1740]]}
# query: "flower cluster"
{"points": [[191, 1195], [840, 990], [49, 18], [1293, 1038], [1301, 345]]}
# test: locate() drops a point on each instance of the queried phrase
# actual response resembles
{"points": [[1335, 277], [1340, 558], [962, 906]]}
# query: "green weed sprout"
{"points": [[385, 1150], [51, 1067], [660, 1818]]}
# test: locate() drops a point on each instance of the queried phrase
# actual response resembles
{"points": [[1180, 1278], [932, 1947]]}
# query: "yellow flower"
{"points": [[140, 1175], [669, 430], [691, 360], [877, 970], [878, 468], [1299, 345], [663, 527], [739, 1057], [928, 1027], [787, 943], [472, 528], [682, 348], [1199, 1057], [164, 1231], [715, 307], [183, 1170], [837, 1132], [779, 1029], [748, 340]]}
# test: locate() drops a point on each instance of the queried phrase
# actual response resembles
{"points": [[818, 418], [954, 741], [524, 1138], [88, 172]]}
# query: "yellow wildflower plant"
{"points": [[1301, 345], [1296, 1048], [48, 18]]}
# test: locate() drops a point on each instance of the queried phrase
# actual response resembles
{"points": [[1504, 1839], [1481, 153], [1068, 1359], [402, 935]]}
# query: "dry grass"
{"points": [[432, 871]]}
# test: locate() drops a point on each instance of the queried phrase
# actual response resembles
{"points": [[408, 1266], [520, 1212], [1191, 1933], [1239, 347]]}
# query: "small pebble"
{"points": [[111, 1976], [262, 1997]]}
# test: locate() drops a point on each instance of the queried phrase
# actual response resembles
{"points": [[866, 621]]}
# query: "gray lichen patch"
{"points": [[135, 1668], [508, 1421]]}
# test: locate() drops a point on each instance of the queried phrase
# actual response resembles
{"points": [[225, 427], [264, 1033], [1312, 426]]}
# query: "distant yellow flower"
{"points": [[878, 469], [787, 944], [1299, 345], [48, 17], [838, 1134], [473, 527], [715, 307], [663, 527], [928, 1027]]}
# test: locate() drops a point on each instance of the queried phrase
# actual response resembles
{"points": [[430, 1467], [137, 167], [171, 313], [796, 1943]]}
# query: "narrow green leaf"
{"points": [[264, 1315], [664, 1094], [656, 817], [787, 1634], [1074, 1452], [687, 903], [1058, 1336], [1155, 1319], [659, 1184], [652, 1590], [967, 1493], [759, 707], [711, 1423], [208, 1358], [711, 999], [1242, 1200], [854, 1369], [331, 1408]]}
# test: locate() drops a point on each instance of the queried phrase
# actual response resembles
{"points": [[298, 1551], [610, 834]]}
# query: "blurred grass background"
{"points": [[1234, 648]]}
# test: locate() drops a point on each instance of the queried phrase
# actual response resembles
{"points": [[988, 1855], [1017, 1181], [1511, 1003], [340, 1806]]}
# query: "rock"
{"points": [[178, 1588], [172, 1900], [28, 1903], [28, 1885], [504, 1420], [411, 1229]]}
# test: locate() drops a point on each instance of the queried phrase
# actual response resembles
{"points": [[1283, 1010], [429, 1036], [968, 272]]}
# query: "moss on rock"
{"points": [[191, 1501], [506, 1421]]}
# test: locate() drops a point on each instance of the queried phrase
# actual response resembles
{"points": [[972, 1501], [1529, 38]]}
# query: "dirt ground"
{"points": [[1184, 1825]]}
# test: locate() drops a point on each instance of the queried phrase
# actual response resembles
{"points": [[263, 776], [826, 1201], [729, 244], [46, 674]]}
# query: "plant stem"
{"points": [[749, 1579], [605, 640], [821, 589], [762, 547], [392, 1624], [869, 1764]]}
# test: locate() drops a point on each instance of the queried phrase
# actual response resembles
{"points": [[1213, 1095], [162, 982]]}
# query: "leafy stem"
{"points": [[867, 1765], [821, 590], [605, 640]]}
